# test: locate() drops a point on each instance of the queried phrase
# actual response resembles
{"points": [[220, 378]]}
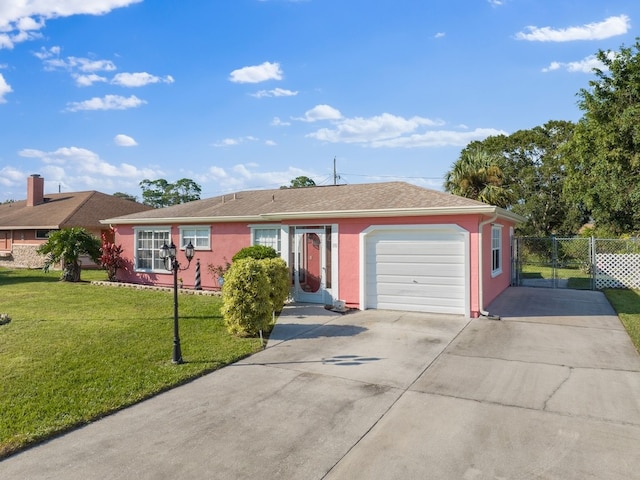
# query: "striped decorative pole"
{"points": [[198, 286]]}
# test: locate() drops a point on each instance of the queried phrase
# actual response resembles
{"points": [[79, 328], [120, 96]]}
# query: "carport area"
{"points": [[550, 391]]}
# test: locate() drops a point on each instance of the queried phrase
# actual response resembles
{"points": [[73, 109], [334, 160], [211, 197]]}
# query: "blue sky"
{"points": [[249, 94]]}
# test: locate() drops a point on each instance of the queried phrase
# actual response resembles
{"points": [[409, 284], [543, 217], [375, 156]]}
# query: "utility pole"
{"points": [[335, 175]]}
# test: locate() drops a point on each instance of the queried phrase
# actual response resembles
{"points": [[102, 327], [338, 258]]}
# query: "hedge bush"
{"points": [[279, 283], [246, 296]]}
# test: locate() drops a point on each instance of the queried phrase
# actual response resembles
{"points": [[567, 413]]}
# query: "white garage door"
{"points": [[417, 269]]}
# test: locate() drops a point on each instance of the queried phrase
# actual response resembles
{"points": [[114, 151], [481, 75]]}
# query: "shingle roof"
{"points": [[359, 200], [60, 210]]}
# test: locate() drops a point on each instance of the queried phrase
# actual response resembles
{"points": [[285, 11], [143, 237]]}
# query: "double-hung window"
{"points": [[496, 250], [199, 236], [268, 235], [149, 241]]}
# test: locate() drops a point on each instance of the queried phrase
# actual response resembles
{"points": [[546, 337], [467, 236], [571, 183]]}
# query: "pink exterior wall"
{"points": [[493, 286], [349, 241], [227, 239]]}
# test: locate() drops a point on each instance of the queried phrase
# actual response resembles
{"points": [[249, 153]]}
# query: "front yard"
{"points": [[75, 352]]}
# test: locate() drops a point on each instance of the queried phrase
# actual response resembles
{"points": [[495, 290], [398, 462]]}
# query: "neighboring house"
{"points": [[26, 224], [383, 245]]}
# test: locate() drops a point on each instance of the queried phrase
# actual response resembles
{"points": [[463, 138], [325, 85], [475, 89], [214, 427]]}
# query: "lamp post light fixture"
{"points": [[168, 255]]}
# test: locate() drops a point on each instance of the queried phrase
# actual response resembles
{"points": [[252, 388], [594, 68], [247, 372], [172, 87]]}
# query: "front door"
{"points": [[310, 265]]}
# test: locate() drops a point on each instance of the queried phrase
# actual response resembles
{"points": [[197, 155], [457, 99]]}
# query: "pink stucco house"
{"points": [[389, 245]]}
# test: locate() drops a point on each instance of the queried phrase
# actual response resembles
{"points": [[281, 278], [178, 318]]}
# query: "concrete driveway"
{"points": [[550, 391]]}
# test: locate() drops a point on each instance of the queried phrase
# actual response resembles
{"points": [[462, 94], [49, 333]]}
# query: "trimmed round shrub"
{"points": [[246, 307], [257, 252]]}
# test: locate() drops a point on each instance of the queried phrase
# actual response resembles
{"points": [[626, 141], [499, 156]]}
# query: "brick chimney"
{"points": [[35, 190]]}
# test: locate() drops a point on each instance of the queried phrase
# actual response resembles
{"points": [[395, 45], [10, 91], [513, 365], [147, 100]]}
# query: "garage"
{"points": [[420, 268]]}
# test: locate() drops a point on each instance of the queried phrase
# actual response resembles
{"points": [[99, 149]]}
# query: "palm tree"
{"points": [[477, 175], [68, 245]]}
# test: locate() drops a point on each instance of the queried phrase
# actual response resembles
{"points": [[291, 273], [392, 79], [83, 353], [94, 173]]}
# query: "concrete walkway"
{"points": [[551, 391]]}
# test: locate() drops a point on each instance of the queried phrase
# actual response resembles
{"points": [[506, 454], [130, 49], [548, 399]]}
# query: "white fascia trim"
{"points": [[36, 227], [276, 216], [180, 220]]}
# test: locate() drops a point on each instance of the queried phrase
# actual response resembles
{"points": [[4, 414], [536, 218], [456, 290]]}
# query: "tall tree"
{"points": [[300, 182], [67, 246], [532, 162], [603, 157], [160, 193], [477, 174]]}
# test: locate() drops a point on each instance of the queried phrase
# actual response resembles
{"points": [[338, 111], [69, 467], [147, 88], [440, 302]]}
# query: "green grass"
{"points": [[576, 278], [626, 303], [73, 353]]}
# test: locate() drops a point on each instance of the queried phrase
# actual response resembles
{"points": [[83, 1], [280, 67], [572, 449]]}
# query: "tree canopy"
{"points": [[603, 157], [533, 172], [126, 196], [160, 193], [477, 174], [300, 182]]}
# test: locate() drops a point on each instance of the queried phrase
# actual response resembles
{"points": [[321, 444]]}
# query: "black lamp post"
{"points": [[168, 255]]}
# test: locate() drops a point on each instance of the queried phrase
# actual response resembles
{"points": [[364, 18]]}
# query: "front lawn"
{"points": [[74, 352], [626, 303]]}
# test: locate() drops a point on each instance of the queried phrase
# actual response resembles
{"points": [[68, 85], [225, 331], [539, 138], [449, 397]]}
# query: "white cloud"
{"points": [[231, 142], [439, 35], [496, 3], [321, 112], [21, 20], [276, 92], [124, 141], [387, 130], [438, 138], [52, 61], [586, 65], [139, 79], [86, 164], [257, 73], [9, 176], [609, 27], [270, 143], [108, 102], [88, 80], [4, 89], [368, 130], [276, 122]]}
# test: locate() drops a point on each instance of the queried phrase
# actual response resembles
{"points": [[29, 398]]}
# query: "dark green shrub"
{"points": [[246, 298], [257, 252]]}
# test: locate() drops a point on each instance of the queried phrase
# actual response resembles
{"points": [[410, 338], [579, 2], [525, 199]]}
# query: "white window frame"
{"points": [[201, 232], [496, 250], [282, 236], [155, 252]]}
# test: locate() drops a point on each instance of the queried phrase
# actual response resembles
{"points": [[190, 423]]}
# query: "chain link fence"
{"points": [[579, 263]]}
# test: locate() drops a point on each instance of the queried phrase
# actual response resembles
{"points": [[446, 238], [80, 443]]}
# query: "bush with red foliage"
{"points": [[111, 257]]}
